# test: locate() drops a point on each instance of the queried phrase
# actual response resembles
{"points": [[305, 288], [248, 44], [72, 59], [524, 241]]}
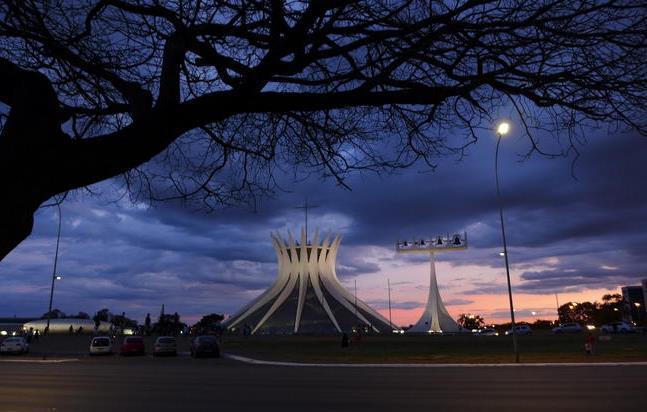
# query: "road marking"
{"points": [[39, 360], [421, 365]]}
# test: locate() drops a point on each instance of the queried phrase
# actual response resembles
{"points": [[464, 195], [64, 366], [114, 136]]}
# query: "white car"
{"points": [[16, 344], [568, 328], [617, 327], [520, 330], [101, 345], [165, 345]]}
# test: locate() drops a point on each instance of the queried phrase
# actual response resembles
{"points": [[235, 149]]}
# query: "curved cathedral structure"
{"points": [[307, 296]]}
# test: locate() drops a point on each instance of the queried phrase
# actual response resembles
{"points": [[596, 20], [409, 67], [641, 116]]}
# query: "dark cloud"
{"points": [[135, 258]]}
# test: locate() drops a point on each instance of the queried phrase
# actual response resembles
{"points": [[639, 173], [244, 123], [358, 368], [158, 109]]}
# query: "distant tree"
{"points": [[208, 322], [583, 313], [104, 315], [81, 315], [543, 324], [596, 313], [54, 314], [202, 100], [470, 321], [123, 322], [610, 310], [611, 299], [147, 322], [168, 324]]}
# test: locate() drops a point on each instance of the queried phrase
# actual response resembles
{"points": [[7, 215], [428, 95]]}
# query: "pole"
{"points": [[51, 292], [557, 303], [505, 249], [388, 283], [355, 298], [305, 207]]}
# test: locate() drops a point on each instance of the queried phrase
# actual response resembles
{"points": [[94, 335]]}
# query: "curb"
{"points": [[39, 360], [423, 365]]}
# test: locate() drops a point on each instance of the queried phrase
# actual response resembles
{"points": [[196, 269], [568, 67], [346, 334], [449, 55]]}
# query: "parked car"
{"points": [[520, 330], [165, 345], [568, 328], [617, 327], [206, 345], [15, 344], [101, 345], [133, 345], [488, 332]]}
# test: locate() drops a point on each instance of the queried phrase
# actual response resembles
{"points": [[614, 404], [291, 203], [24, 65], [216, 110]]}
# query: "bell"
{"points": [[439, 242], [457, 240]]}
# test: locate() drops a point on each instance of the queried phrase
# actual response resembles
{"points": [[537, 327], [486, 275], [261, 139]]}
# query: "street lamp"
{"points": [[55, 277], [502, 129]]}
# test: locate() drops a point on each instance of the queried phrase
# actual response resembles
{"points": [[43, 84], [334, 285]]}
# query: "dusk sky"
{"points": [[578, 237]]}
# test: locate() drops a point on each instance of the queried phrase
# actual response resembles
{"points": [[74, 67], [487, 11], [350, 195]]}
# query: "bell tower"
{"points": [[435, 318]]}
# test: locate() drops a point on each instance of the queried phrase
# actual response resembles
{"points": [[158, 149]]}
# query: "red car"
{"points": [[133, 345]]}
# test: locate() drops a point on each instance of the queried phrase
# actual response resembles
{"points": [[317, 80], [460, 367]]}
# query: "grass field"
{"points": [[540, 347]]}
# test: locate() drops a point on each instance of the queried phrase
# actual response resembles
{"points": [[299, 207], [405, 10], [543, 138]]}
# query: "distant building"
{"points": [[634, 298], [62, 325], [10, 325]]}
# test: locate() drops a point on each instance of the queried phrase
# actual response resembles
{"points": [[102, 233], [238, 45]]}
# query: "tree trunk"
{"points": [[16, 222]]}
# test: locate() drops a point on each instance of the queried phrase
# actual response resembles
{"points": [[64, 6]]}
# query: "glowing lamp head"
{"points": [[503, 128], [58, 277]]}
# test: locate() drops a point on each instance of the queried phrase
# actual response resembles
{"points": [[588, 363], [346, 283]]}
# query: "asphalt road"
{"points": [[224, 385]]}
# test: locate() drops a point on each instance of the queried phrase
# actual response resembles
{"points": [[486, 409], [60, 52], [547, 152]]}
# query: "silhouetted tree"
{"points": [[168, 324], [220, 93], [81, 315], [583, 313], [610, 310], [104, 315], [595, 313], [543, 324], [208, 322], [55, 314], [123, 322], [469, 321]]}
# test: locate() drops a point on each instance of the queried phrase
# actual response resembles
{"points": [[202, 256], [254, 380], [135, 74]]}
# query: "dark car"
{"points": [[205, 346], [133, 345]]}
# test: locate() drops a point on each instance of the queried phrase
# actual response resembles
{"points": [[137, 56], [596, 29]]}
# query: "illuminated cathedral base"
{"points": [[307, 297]]}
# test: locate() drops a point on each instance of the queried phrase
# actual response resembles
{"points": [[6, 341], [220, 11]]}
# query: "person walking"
{"points": [[344, 340], [589, 344]]}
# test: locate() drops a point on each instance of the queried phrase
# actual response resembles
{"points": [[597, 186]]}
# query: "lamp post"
{"points": [[388, 285], [55, 277], [502, 129]]}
